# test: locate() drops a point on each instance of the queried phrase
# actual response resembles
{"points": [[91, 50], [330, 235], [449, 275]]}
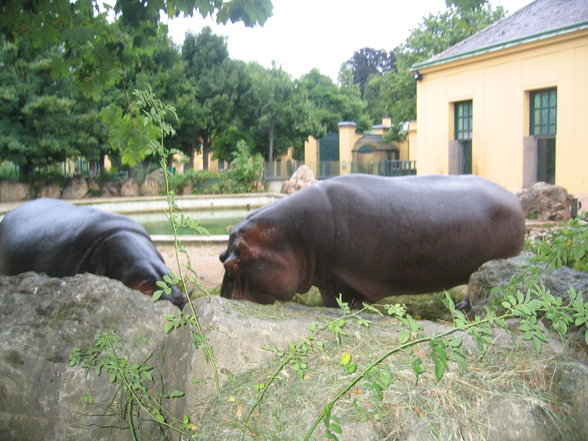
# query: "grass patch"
{"points": [[420, 306], [456, 408]]}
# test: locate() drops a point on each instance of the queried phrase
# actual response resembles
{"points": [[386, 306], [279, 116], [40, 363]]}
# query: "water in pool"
{"points": [[215, 221]]}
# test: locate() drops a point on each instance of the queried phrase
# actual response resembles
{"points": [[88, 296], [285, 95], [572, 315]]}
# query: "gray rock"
{"points": [[237, 331], [497, 273], [546, 202], [129, 187], [93, 186], [51, 191], [153, 184], [111, 188], [302, 177], [42, 320], [11, 191], [76, 188]]}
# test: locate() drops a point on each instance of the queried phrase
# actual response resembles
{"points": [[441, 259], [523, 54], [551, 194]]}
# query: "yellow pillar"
{"points": [[311, 154], [347, 140]]}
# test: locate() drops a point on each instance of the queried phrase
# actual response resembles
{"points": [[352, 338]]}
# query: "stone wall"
{"points": [[79, 187]]}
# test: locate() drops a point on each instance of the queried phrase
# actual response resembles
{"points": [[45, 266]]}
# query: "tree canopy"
{"points": [[69, 69]]}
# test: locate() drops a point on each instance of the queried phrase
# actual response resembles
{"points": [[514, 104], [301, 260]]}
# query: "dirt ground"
{"points": [[204, 259]]}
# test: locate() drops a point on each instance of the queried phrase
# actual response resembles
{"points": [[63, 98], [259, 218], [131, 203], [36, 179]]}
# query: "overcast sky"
{"points": [[323, 34]]}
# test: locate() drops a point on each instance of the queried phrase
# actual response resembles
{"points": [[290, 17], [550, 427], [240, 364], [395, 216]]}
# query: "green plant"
{"points": [[137, 401], [245, 170], [566, 246], [8, 171]]}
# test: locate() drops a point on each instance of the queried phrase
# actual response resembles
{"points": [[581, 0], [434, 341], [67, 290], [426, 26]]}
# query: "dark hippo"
{"points": [[59, 239], [369, 237]]}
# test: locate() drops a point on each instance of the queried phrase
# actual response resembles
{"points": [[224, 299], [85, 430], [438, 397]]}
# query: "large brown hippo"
{"points": [[369, 237], [59, 239]]}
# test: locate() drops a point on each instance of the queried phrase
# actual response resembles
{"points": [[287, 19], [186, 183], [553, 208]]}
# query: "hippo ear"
{"points": [[145, 286]]}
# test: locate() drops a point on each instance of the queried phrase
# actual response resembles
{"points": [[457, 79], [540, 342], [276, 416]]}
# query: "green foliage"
{"points": [[135, 402], [334, 104], [42, 120], [394, 93], [245, 171], [566, 246]]}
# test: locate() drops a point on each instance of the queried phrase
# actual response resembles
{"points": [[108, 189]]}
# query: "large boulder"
{"points": [[11, 191], [52, 190], [497, 273], [75, 188], [546, 202], [129, 187], [43, 319], [302, 177], [153, 184], [111, 188]]}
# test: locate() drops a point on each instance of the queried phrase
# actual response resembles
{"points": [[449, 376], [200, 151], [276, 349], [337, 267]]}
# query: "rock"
{"points": [[518, 419], [302, 177], [496, 273], [94, 187], [153, 184], [76, 188], [571, 381], [51, 191], [111, 188], [256, 327], [546, 202], [43, 319], [129, 187], [11, 191]]}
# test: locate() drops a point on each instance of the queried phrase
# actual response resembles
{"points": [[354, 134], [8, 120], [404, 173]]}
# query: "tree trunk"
{"points": [[271, 144], [205, 154]]}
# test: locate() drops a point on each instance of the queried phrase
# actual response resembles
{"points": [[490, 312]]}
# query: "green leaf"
{"points": [[345, 359], [439, 369], [404, 335], [177, 394]]}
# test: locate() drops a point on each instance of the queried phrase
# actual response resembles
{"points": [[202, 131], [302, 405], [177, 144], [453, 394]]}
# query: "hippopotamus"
{"points": [[60, 239], [366, 237]]}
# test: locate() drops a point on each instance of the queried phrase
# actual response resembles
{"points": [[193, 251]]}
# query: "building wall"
{"points": [[499, 84]]}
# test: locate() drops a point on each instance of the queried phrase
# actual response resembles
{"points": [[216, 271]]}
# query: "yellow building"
{"points": [[510, 103]]}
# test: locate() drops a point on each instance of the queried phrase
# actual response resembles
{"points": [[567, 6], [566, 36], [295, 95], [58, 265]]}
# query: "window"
{"points": [[544, 128], [463, 121], [543, 112], [463, 134]]}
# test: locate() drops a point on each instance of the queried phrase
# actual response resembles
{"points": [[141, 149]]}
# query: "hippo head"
{"points": [[148, 287], [261, 264], [143, 278]]}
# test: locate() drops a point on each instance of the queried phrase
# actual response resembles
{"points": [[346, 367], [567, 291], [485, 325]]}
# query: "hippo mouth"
{"points": [[234, 287]]}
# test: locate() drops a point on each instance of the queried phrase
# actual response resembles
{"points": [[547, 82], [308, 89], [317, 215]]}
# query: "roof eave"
{"points": [[503, 45]]}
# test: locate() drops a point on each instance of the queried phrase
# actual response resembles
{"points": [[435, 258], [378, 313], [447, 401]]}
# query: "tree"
{"points": [[334, 103], [82, 27], [368, 62], [42, 120], [285, 117], [220, 87], [395, 92]]}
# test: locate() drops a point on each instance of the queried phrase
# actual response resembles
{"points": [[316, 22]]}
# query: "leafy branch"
{"points": [[526, 307], [134, 379], [156, 113]]}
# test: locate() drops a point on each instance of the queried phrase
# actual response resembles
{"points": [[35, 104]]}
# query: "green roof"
{"points": [[538, 20]]}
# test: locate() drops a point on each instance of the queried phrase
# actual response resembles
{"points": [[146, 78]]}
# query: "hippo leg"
{"points": [[348, 295], [465, 303]]}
